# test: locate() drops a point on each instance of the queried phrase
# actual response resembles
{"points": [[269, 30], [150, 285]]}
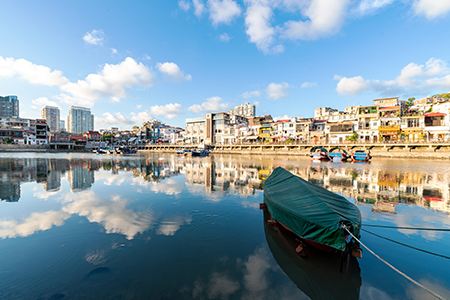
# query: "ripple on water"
{"points": [[207, 226]]}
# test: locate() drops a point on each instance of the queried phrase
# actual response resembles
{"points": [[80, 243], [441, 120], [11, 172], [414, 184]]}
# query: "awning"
{"points": [[389, 108], [435, 114], [251, 137]]}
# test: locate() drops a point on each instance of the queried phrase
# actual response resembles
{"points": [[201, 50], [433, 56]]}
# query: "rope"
{"points": [[412, 228], [395, 269], [382, 237]]}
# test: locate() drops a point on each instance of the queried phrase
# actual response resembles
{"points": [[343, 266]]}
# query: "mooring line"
{"points": [[409, 246], [395, 269], [412, 228]]}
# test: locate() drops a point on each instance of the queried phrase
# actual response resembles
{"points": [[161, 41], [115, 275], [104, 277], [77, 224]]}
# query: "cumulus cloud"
{"points": [[111, 120], [224, 37], [169, 111], [352, 86], [199, 7], [324, 17], [370, 6], [184, 5], [113, 51], [172, 70], [35, 74], [435, 74], [95, 37], [41, 102], [277, 91], [431, 9], [247, 95], [308, 85], [112, 81], [223, 11], [258, 18], [211, 104], [141, 117]]}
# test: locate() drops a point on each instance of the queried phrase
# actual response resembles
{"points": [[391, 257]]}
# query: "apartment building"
{"points": [[52, 116], [9, 106], [80, 120]]}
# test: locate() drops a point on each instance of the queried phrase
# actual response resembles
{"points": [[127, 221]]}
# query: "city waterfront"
{"points": [[158, 226]]}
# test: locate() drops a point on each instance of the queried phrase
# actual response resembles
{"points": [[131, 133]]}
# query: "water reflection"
{"points": [[380, 187]]}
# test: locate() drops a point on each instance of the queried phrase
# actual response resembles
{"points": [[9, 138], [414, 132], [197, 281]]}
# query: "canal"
{"points": [[158, 226]]}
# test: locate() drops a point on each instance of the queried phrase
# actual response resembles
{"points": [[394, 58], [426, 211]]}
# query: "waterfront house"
{"points": [[368, 123], [437, 123], [339, 132], [412, 124], [389, 126]]}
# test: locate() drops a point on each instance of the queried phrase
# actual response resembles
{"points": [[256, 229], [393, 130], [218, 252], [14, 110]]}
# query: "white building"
{"points": [[51, 115], [80, 120]]}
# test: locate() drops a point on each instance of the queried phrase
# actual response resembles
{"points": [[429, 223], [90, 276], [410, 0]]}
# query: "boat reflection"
{"points": [[318, 275]]}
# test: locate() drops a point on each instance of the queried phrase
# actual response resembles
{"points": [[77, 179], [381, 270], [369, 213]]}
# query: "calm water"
{"points": [[162, 227]]}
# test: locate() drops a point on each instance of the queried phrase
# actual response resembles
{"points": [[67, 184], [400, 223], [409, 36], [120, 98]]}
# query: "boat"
{"points": [[200, 152], [316, 215], [181, 152], [361, 155], [318, 154], [338, 154], [320, 275]]}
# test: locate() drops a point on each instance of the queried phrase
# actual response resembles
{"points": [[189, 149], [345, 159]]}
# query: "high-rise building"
{"points": [[245, 110], [80, 120], [62, 125], [9, 106], [51, 115]]}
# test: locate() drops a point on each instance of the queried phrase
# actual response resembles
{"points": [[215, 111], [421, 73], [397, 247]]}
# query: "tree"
{"points": [[353, 137], [410, 102]]}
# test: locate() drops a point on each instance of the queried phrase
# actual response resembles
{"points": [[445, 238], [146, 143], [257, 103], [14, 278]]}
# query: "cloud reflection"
{"points": [[170, 225], [39, 221]]}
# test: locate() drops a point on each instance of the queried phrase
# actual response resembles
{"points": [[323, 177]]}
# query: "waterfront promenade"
{"points": [[439, 150]]}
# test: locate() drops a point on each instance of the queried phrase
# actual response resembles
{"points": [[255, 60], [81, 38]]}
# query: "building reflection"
{"points": [[379, 187]]}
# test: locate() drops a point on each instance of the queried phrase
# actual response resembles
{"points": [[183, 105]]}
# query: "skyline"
{"points": [[175, 60]]}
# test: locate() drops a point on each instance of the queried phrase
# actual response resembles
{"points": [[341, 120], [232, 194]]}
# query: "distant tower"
{"points": [[80, 120], [51, 115], [9, 106], [62, 125]]}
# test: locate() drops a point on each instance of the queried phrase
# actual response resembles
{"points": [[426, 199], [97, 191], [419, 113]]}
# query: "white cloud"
{"points": [[184, 5], [139, 106], [413, 78], [112, 120], [247, 95], [170, 111], [95, 37], [277, 91], [112, 81], [258, 16], [141, 117], [285, 117], [211, 104], [431, 9], [223, 11], [35, 74], [199, 7], [170, 225], [171, 69], [308, 84], [325, 17], [371, 6], [352, 86], [146, 57], [224, 37], [113, 51], [43, 101]]}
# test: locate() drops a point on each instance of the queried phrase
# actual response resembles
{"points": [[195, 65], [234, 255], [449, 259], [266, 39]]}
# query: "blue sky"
{"points": [[130, 61]]}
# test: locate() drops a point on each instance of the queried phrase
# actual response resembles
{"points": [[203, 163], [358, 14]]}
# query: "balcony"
{"points": [[389, 128]]}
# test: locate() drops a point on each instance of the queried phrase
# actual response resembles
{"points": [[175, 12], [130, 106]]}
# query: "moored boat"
{"points": [[318, 154], [338, 154], [316, 215], [199, 152], [322, 275], [361, 155]]}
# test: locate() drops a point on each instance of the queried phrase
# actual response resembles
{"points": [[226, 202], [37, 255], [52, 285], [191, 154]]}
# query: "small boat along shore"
{"points": [[314, 214]]}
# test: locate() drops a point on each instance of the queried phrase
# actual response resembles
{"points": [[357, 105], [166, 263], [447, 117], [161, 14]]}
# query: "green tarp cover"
{"points": [[310, 211]]}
